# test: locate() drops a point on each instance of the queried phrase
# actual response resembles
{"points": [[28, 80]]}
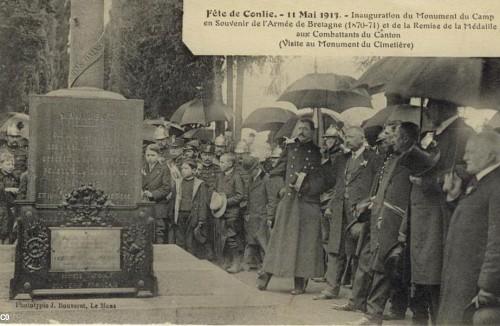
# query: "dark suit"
{"points": [[429, 219], [472, 251], [388, 212], [157, 181], [354, 179]]}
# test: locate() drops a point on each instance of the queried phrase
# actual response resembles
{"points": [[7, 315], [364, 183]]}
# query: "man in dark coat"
{"points": [[349, 237], [260, 195], [429, 214], [471, 266], [389, 206], [208, 172], [229, 227], [295, 245], [156, 186]]}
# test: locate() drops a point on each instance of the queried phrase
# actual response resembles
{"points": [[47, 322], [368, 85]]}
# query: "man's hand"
{"points": [[282, 192], [452, 186], [270, 223], [484, 298], [416, 180]]}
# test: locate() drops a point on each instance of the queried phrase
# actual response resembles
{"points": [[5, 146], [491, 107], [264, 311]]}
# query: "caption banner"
{"points": [[317, 27]]}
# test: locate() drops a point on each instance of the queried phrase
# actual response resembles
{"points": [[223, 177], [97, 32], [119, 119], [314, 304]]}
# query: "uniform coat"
{"points": [[357, 188], [429, 214], [472, 251], [295, 244]]}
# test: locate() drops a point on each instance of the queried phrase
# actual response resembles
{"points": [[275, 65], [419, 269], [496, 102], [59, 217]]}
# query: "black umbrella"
{"points": [[268, 118], [326, 90], [465, 81]]}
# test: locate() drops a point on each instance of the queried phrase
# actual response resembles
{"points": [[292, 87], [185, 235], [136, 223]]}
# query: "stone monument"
{"points": [[83, 228]]}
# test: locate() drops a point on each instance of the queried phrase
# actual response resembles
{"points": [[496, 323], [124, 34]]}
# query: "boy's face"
{"points": [[225, 163], [186, 170], [7, 166], [151, 157]]}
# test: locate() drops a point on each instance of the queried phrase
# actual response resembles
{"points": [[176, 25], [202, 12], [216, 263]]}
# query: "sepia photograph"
{"points": [[141, 183]]}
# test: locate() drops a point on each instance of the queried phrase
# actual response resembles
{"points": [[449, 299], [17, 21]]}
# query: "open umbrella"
{"points": [[288, 130], [195, 112], [465, 81], [325, 90], [399, 112], [21, 120], [267, 118]]}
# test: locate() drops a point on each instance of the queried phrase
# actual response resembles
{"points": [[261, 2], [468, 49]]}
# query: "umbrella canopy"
{"points": [[326, 90], [464, 81], [195, 112], [288, 130], [199, 133], [400, 112], [268, 118], [19, 119]]}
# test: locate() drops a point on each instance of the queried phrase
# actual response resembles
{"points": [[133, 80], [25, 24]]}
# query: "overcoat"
{"points": [[389, 209], [472, 251], [295, 244], [429, 214], [347, 192]]}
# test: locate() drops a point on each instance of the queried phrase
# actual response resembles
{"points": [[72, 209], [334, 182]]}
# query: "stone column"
{"points": [[86, 59]]}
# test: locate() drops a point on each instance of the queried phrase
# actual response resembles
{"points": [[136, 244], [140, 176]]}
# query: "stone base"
{"points": [[191, 291]]}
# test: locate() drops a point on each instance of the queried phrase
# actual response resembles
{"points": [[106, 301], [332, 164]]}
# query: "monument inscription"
{"points": [[85, 250], [80, 143]]}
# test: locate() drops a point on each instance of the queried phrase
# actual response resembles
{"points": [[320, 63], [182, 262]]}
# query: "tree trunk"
{"points": [[238, 112], [230, 87]]}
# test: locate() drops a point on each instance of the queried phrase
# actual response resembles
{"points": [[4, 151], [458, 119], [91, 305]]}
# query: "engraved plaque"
{"points": [[85, 249]]}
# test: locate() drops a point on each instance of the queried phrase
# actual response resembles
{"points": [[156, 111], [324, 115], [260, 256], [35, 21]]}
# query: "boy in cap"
{"points": [[190, 210]]}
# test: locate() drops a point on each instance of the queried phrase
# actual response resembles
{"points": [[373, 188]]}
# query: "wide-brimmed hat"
{"points": [[218, 204]]}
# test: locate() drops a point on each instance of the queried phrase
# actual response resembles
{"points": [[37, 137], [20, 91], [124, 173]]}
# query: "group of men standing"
{"points": [[401, 216]]}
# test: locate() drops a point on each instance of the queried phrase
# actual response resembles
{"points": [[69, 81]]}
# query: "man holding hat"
{"points": [[258, 213], [225, 206], [208, 171]]}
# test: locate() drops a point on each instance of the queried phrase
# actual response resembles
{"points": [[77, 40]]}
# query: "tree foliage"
{"points": [[32, 56], [154, 63]]}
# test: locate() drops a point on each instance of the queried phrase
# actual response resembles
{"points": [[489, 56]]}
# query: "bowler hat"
{"points": [[420, 161], [218, 204]]}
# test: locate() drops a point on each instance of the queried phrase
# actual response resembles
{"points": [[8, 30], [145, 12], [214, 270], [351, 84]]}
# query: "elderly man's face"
{"points": [[330, 142], [354, 139], [225, 163], [478, 156]]}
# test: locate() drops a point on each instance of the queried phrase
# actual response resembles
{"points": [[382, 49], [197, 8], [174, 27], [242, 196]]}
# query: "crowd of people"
{"points": [[409, 218]]}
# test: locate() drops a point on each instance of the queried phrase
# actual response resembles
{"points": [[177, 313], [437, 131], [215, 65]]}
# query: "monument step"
{"points": [[180, 274], [215, 309], [7, 253]]}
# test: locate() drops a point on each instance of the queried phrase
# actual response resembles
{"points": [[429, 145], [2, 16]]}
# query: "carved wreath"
{"points": [[35, 246], [134, 246], [87, 206]]}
